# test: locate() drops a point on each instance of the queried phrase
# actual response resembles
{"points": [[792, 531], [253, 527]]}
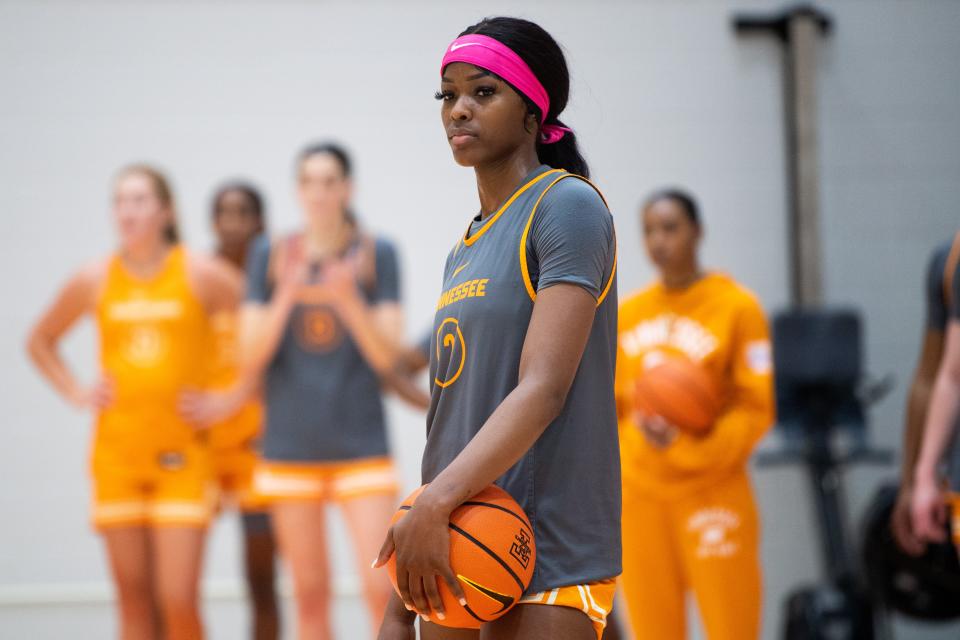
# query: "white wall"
{"points": [[663, 92]]}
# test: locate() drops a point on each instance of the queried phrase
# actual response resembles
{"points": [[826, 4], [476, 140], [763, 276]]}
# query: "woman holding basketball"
{"points": [[689, 516], [522, 359], [322, 322], [152, 302]]}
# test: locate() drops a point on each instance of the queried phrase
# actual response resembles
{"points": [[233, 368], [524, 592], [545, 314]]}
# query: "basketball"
{"points": [[680, 391], [492, 552]]}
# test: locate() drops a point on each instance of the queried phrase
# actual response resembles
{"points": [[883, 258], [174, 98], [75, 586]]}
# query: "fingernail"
{"points": [[440, 615], [409, 608], [425, 617], [373, 565]]}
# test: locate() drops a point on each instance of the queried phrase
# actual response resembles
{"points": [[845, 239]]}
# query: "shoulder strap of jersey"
{"points": [[950, 270], [524, 268]]}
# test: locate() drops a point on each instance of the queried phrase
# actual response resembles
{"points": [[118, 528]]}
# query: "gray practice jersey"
{"points": [[569, 481], [323, 401]]}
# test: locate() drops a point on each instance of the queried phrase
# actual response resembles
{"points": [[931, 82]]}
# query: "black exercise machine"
{"points": [[821, 397]]}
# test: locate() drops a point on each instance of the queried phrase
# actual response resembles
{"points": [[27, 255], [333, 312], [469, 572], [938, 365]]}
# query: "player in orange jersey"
{"points": [[238, 218], [689, 517], [152, 302]]}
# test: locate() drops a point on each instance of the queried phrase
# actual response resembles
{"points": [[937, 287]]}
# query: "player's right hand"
{"points": [[928, 511], [902, 527], [97, 397]]}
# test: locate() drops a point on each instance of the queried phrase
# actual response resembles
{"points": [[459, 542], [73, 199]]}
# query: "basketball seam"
{"points": [[496, 506], [467, 608], [490, 552], [482, 546]]}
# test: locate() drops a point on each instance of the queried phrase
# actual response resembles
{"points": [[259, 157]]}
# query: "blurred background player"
{"points": [[238, 218], [929, 502], [689, 517], [152, 302], [323, 320], [942, 271]]}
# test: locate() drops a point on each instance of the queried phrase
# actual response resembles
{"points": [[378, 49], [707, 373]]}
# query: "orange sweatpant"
{"points": [[707, 543]]}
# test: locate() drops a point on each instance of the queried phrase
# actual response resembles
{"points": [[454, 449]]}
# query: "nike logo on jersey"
{"points": [[459, 269], [505, 601]]}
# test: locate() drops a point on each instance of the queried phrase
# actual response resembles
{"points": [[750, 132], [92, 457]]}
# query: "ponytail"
{"points": [[564, 154]]}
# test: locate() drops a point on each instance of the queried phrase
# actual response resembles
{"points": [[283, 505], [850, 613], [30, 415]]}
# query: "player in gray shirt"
{"points": [[943, 274], [523, 350], [322, 322]]}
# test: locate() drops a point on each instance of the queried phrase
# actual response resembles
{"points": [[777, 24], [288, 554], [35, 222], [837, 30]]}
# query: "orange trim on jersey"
{"points": [[149, 513], [285, 481], [594, 599], [524, 269], [469, 240], [613, 271]]}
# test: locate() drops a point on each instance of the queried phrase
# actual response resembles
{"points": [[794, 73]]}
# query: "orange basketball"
{"points": [[680, 391], [492, 553]]}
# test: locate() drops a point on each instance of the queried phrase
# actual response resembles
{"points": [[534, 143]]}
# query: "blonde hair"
{"points": [[163, 191]]}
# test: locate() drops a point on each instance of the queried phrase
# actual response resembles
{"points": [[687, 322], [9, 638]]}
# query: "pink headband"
{"points": [[494, 56]]}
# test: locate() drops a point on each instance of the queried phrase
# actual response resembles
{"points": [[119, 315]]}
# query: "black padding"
{"points": [[927, 587]]}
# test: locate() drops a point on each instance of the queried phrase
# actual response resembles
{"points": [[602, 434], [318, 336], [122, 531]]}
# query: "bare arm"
{"points": [[74, 300], [262, 323], [377, 330], [918, 401], [929, 511], [261, 328]]}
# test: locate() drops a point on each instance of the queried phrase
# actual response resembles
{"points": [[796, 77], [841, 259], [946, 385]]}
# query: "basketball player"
{"points": [[943, 269], [152, 301], [238, 218], [522, 359], [689, 517], [322, 321], [929, 504]]}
